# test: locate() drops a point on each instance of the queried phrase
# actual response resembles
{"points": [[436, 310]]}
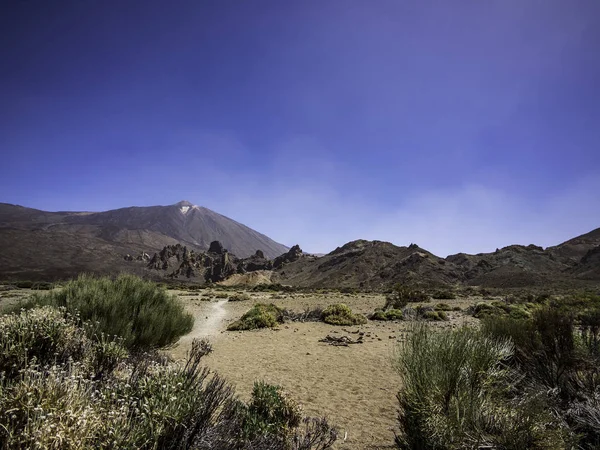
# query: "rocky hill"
{"points": [[188, 242], [379, 265], [47, 245]]}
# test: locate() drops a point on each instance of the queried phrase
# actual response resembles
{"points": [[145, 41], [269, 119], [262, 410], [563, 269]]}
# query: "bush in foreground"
{"points": [[142, 314], [142, 402], [455, 395], [260, 315], [340, 314]]}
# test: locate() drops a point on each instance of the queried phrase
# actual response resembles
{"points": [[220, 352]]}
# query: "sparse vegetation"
{"points": [[274, 287], [62, 388], [503, 308], [341, 314], [143, 315], [443, 294], [454, 395], [401, 295], [390, 314], [260, 315], [442, 307], [239, 297]]}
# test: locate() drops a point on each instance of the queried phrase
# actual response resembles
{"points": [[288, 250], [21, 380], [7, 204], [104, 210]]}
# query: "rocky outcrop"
{"points": [[293, 254], [178, 261], [255, 262]]}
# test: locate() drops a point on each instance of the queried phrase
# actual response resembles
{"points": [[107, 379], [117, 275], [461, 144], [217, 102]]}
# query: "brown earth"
{"points": [[354, 386]]}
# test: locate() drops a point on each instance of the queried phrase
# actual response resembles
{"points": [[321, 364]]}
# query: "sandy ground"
{"points": [[354, 387]]}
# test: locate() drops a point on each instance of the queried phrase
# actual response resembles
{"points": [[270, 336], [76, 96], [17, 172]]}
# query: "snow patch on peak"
{"points": [[184, 209]]}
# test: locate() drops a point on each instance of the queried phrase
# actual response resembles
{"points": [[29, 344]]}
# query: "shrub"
{"points": [[260, 315], [148, 403], [453, 395], [391, 314], [433, 316], [241, 297], [545, 347], [142, 314], [443, 295], [48, 336], [340, 314], [274, 287], [401, 295], [270, 411], [503, 308], [442, 307], [308, 315]]}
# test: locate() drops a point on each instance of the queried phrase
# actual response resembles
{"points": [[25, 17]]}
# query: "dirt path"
{"points": [[209, 322], [213, 322]]}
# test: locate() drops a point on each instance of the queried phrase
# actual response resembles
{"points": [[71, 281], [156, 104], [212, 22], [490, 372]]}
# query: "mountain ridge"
{"points": [[44, 243], [38, 244]]}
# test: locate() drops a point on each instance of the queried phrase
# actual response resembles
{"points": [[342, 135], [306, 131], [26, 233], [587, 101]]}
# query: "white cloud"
{"points": [[472, 218]]}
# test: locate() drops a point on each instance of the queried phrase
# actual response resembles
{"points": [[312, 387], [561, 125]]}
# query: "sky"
{"points": [[458, 125]]}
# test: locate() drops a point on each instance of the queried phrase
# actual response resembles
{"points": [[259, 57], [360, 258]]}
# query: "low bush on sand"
{"points": [[401, 295], [503, 308], [62, 388], [443, 307], [260, 315], [142, 314], [390, 314], [443, 294], [341, 314], [239, 297]]}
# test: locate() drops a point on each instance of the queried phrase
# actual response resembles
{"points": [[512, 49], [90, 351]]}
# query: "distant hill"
{"points": [[46, 245], [380, 265], [180, 241]]}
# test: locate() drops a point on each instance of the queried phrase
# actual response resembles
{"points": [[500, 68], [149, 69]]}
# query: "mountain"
{"points": [[380, 265], [368, 264], [180, 241], [38, 244]]}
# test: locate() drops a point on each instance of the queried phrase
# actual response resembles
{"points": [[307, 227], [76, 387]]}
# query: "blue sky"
{"points": [[458, 125]]}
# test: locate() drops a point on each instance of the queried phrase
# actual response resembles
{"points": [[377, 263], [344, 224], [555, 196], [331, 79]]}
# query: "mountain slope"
{"points": [[380, 265], [46, 245], [188, 224], [369, 264]]}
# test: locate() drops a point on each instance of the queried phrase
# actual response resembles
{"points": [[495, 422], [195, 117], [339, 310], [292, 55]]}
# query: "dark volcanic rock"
{"points": [[216, 247], [255, 262], [294, 254]]}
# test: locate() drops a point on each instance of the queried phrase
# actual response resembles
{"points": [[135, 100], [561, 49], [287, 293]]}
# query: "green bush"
{"points": [[340, 314], [443, 307], [260, 315], [557, 349], [401, 295], [545, 348], [454, 395], [239, 297], [443, 295], [139, 312], [48, 336], [274, 287], [391, 314], [66, 394], [436, 316], [503, 308], [270, 411]]}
